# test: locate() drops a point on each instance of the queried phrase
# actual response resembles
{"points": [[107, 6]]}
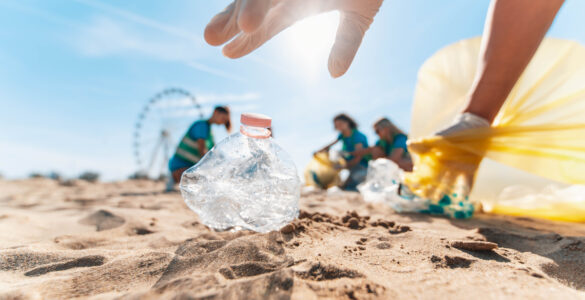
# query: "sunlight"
{"points": [[308, 43]]}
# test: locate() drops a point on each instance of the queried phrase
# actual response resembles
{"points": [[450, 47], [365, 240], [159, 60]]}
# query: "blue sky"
{"points": [[75, 74]]}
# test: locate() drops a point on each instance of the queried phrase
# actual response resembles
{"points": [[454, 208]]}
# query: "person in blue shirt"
{"points": [[353, 140], [391, 145], [197, 141]]}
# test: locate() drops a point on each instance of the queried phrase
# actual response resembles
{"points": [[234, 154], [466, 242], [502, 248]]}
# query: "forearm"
{"points": [[202, 147], [326, 148], [365, 151], [352, 163], [512, 34], [396, 155]]}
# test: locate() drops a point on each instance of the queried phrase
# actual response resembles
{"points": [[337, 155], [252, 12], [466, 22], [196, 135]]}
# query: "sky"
{"points": [[75, 74]]}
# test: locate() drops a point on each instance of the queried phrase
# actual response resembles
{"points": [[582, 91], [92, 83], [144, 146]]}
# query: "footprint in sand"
{"points": [[451, 261], [319, 272], [86, 261], [20, 260], [103, 220], [257, 261]]}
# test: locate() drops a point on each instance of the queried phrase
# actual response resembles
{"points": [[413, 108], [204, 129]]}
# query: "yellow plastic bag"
{"points": [[540, 129], [320, 172]]}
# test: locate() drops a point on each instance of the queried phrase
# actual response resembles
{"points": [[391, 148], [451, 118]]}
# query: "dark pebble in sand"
{"points": [[537, 275], [354, 223], [474, 245], [383, 246], [399, 229], [382, 223], [289, 228], [435, 259]]}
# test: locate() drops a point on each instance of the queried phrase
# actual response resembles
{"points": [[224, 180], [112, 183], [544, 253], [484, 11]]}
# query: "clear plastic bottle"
{"points": [[246, 181]]}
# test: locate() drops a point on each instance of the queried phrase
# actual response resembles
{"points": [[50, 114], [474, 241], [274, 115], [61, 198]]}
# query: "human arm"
{"points": [[364, 151], [396, 155], [512, 33], [202, 147], [326, 148]]}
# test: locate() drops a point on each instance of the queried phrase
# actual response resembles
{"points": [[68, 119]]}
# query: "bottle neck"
{"points": [[255, 132]]}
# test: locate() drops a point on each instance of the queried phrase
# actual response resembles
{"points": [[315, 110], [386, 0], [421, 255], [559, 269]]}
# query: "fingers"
{"points": [[223, 26], [240, 15], [277, 19], [350, 34], [252, 14]]}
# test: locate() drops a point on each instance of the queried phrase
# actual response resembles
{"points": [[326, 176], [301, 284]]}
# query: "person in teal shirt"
{"points": [[197, 141], [391, 145], [353, 140]]}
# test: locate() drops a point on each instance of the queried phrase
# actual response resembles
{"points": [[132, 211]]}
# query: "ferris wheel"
{"points": [[161, 122]]}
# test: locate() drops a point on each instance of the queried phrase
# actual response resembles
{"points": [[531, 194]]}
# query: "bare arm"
{"points": [[326, 148], [512, 33], [202, 147], [396, 155], [364, 151]]}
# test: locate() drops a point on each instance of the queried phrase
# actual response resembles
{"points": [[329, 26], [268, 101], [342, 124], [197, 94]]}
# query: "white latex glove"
{"points": [[462, 122], [254, 22]]}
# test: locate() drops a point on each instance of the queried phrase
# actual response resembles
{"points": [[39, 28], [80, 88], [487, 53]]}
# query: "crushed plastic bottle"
{"points": [[382, 184], [246, 181]]}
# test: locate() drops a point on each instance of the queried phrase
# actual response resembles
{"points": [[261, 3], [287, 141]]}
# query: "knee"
{"points": [[177, 174]]}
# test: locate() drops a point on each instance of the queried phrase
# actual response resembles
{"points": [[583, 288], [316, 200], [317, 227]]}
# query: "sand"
{"points": [[129, 240]]}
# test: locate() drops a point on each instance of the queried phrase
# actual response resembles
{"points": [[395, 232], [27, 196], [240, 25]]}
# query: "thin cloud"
{"points": [[45, 15], [138, 19], [105, 36], [210, 70], [204, 99], [228, 98]]}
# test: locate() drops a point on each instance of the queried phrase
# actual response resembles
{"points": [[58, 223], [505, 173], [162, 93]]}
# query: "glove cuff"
{"points": [[464, 121], [473, 120]]}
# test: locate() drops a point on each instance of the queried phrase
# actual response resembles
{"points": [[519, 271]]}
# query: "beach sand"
{"points": [[130, 240]]}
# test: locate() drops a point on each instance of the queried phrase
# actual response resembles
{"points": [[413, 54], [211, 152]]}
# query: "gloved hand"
{"points": [[254, 22], [443, 173], [463, 122]]}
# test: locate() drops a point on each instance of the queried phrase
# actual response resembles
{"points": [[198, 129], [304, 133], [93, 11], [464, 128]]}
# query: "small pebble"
{"points": [[474, 245], [354, 223], [289, 228]]}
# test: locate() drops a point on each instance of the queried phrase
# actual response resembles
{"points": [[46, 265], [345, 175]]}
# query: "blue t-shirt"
{"points": [[199, 130], [398, 142], [351, 141]]}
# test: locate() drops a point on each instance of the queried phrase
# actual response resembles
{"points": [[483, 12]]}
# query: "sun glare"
{"points": [[308, 43]]}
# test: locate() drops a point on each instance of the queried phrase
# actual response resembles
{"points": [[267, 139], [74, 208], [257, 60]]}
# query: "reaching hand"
{"points": [[444, 173], [253, 22], [463, 122]]}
